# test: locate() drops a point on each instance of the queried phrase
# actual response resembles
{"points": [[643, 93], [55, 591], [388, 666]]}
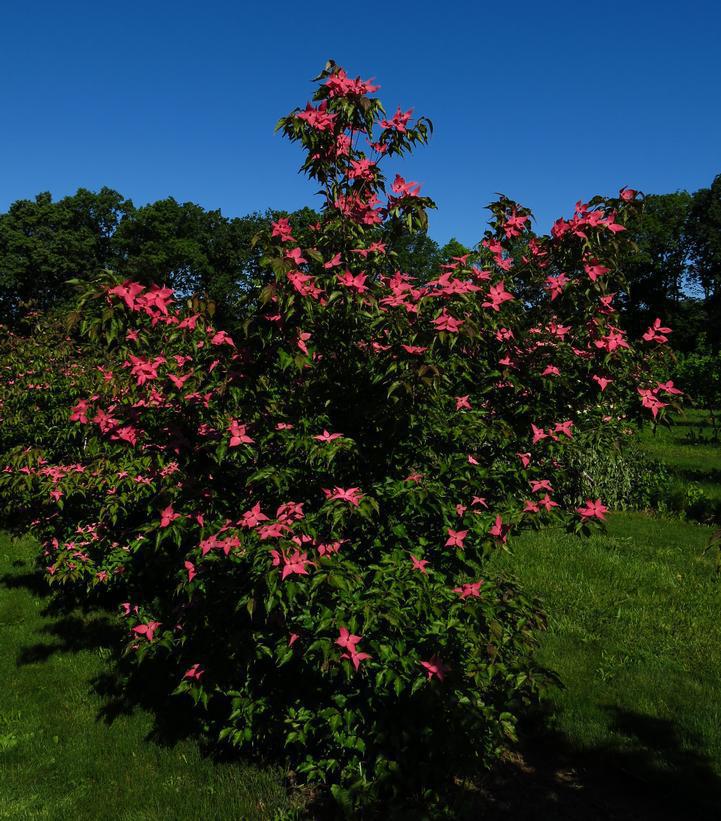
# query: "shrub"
{"points": [[607, 462], [297, 519]]}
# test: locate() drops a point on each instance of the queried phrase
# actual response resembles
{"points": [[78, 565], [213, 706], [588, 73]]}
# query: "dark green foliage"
{"points": [[44, 243]]}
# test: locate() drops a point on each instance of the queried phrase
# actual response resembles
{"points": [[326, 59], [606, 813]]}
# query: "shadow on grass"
{"points": [[655, 774], [689, 474], [28, 580], [72, 634]]}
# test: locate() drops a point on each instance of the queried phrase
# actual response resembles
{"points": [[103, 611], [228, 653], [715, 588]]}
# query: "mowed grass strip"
{"points": [[688, 450], [635, 635], [60, 759]]}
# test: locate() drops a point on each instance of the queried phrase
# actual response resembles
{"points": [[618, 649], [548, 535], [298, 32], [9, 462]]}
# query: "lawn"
{"points": [[689, 451], [634, 634]]}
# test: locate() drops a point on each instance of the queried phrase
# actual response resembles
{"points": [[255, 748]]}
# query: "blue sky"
{"points": [[546, 102]]}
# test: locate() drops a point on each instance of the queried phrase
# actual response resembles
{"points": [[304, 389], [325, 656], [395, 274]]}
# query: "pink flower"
{"points": [[351, 494], [540, 484], [333, 262], [147, 630], [656, 333], [555, 285], [538, 434], [276, 530], [651, 401], [362, 169], [668, 387], [595, 270], [499, 530], [514, 224], [593, 510], [546, 503], [445, 322], [296, 562], [350, 642], [564, 428], [303, 338], [602, 381], [282, 230], [192, 572], [356, 283], [319, 118], [253, 517], [179, 381], [340, 84], [346, 639], [238, 435], [435, 667], [295, 255], [331, 548], [403, 188], [456, 537], [472, 589], [463, 403], [168, 516], [612, 225], [419, 564], [398, 121], [328, 437], [222, 338], [497, 295], [195, 672]]}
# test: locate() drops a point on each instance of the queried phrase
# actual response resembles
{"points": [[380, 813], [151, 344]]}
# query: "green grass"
{"points": [[635, 635], [634, 628], [61, 759], [688, 450]]}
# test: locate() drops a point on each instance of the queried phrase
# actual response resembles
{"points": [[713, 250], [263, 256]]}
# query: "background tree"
{"points": [[657, 270], [704, 237], [45, 243]]}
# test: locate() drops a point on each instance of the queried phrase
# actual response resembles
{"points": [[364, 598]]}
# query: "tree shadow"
{"points": [[31, 581], [653, 775], [690, 474], [72, 634]]}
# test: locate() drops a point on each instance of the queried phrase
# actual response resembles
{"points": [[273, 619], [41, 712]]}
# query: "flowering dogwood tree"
{"points": [[297, 519]]}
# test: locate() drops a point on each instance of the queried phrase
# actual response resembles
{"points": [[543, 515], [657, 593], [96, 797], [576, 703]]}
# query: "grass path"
{"points": [[59, 759]]}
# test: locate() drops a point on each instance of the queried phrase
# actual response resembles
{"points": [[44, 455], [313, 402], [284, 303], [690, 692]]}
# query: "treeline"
{"points": [[45, 243], [674, 271]]}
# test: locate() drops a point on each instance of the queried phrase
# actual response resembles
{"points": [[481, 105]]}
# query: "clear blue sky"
{"points": [[545, 101]]}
